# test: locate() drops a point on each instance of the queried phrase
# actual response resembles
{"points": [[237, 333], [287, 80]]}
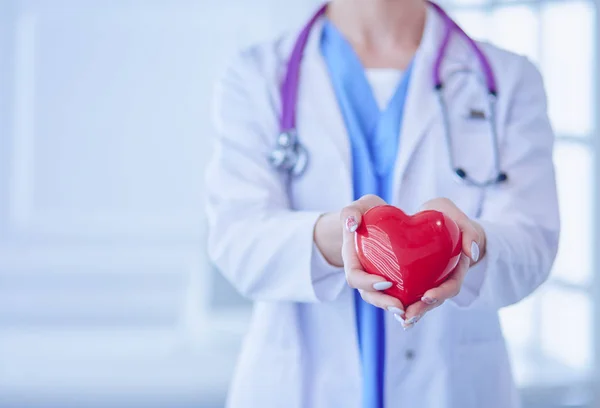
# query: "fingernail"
{"points": [[410, 322], [396, 310], [474, 251], [382, 285], [351, 223], [399, 318], [428, 300]]}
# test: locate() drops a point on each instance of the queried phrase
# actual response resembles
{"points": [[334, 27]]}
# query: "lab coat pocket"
{"points": [[269, 363], [481, 370], [473, 147], [259, 373], [471, 153], [263, 374]]}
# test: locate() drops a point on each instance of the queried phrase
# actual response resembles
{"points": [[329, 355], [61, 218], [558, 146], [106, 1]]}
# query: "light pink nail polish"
{"points": [[351, 224], [474, 251], [412, 320], [428, 300], [382, 285], [409, 324], [396, 310]]}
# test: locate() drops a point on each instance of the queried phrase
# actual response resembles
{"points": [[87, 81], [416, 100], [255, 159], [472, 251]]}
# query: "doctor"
{"points": [[378, 101]]}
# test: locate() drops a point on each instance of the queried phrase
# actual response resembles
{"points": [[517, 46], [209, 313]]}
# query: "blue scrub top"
{"points": [[374, 138]]}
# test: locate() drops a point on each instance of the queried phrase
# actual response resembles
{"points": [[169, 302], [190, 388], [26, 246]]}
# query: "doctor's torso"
{"points": [[422, 169], [305, 354]]}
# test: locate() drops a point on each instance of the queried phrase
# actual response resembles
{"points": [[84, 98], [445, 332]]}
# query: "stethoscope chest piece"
{"points": [[289, 155]]}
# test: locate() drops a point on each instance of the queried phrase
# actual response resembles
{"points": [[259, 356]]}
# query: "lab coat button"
{"points": [[409, 354]]}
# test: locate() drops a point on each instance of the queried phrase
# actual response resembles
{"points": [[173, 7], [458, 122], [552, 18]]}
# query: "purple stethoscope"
{"points": [[291, 157]]}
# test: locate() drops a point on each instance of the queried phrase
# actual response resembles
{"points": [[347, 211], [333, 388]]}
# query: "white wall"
{"points": [[105, 290]]}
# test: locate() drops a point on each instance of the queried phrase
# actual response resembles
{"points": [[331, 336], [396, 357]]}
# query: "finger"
{"points": [[416, 311], [351, 215], [435, 297], [420, 308], [383, 301], [355, 275], [359, 279], [450, 287], [471, 240]]}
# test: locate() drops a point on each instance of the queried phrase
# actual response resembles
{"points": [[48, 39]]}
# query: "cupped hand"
{"points": [[473, 250], [371, 286], [368, 285]]}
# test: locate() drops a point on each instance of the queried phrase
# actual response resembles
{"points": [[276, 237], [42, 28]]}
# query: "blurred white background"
{"points": [[106, 295]]}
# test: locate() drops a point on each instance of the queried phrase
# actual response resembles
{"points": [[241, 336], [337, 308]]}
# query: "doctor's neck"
{"points": [[384, 33]]}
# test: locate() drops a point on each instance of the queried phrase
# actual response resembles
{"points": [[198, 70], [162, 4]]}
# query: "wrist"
{"points": [[328, 238]]}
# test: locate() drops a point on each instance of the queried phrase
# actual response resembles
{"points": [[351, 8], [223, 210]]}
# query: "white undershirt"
{"points": [[384, 83]]}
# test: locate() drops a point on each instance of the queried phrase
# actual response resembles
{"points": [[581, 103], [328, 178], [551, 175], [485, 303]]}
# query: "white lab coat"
{"points": [[301, 350]]}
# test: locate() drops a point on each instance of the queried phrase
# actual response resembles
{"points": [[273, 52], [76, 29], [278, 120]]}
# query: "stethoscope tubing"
{"points": [[292, 157]]}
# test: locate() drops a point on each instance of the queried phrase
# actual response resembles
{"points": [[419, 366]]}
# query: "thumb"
{"points": [[351, 215], [471, 238]]}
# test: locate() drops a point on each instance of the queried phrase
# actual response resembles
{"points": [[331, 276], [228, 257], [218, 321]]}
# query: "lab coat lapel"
{"points": [[419, 111], [318, 108], [422, 105]]}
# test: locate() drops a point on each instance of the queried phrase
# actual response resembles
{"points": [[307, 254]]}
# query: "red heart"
{"points": [[416, 253]]}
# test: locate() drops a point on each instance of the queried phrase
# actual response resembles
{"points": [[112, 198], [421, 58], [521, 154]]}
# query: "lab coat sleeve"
{"points": [[521, 217], [262, 247]]}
